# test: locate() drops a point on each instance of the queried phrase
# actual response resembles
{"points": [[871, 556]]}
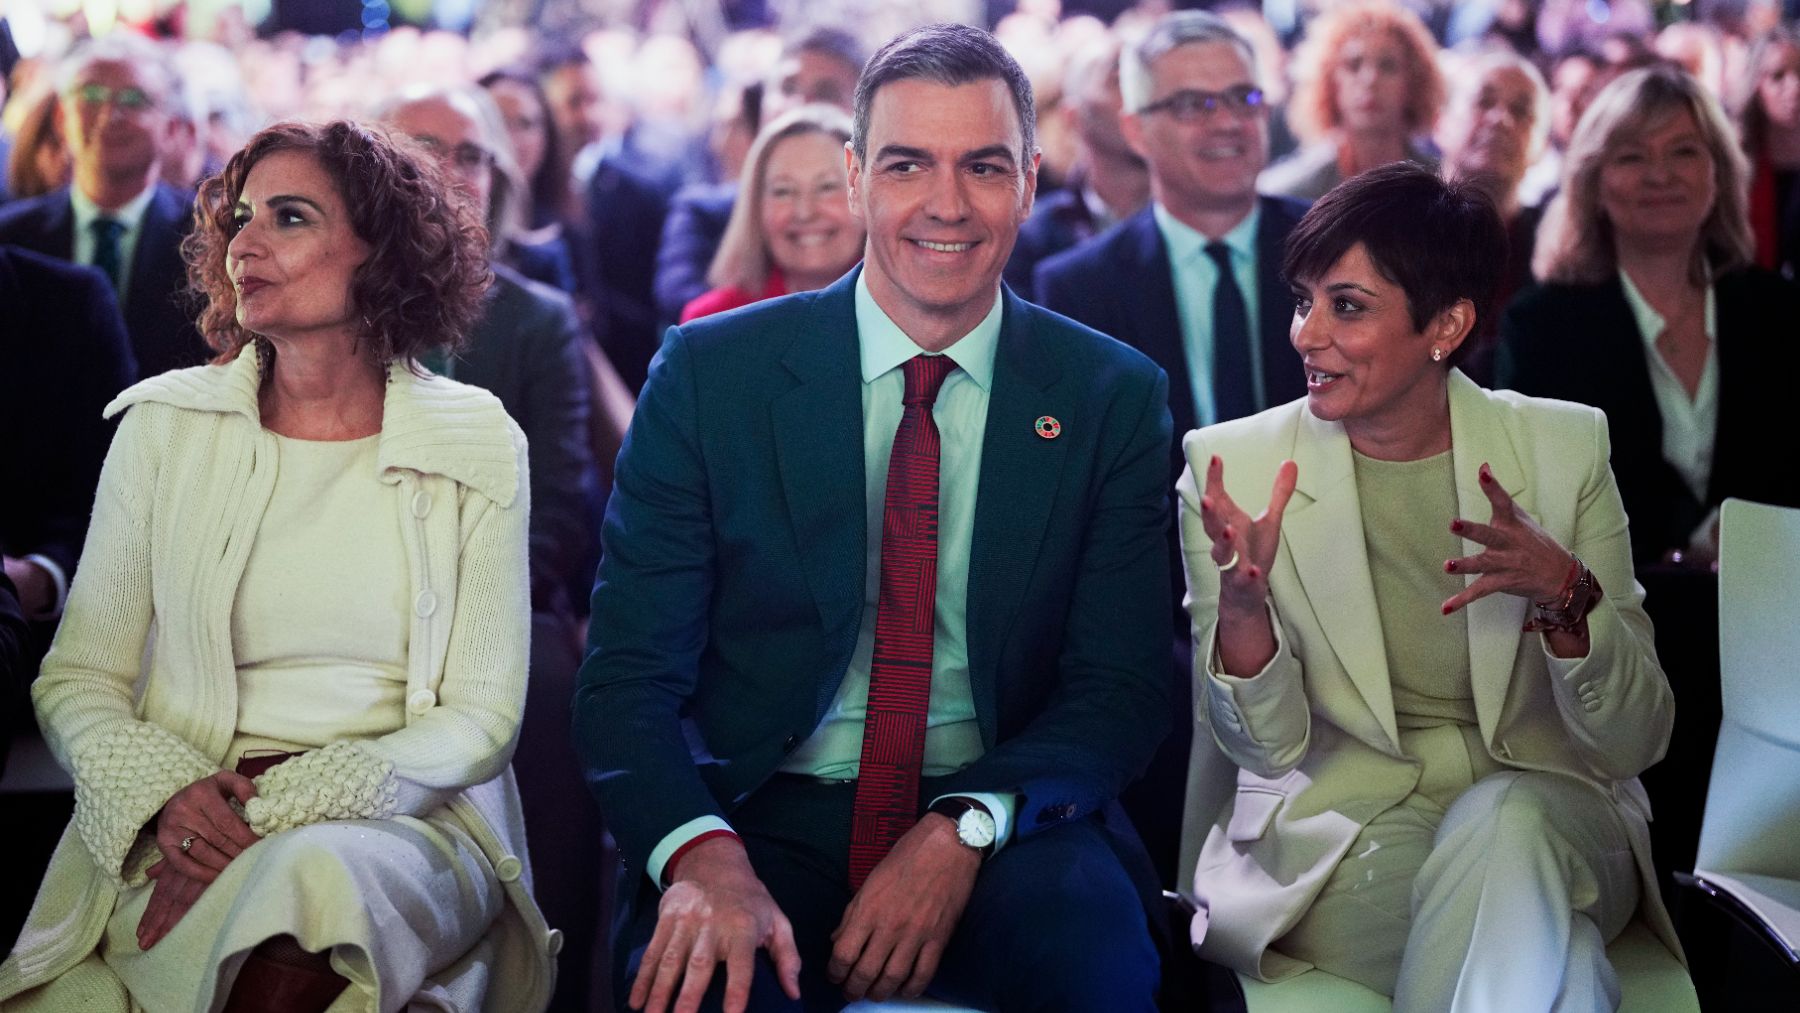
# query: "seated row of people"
{"points": [[882, 627]]}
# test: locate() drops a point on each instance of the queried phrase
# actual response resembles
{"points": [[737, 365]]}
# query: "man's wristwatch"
{"points": [[974, 824]]}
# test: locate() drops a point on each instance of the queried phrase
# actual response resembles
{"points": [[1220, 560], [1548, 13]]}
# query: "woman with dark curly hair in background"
{"points": [[309, 803]]}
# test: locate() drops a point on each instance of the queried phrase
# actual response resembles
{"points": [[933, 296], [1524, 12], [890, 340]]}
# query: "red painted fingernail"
{"points": [[1446, 610], [1215, 460], [1485, 477], [1255, 573], [1206, 502], [1449, 566], [1456, 527]]}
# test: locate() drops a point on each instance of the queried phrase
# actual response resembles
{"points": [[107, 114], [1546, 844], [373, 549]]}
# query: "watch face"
{"points": [[975, 828]]}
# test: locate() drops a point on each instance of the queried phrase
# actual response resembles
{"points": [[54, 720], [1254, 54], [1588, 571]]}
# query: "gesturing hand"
{"points": [[1521, 558], [201, 814], [1244, 548], [716, 910], [170, 898], [894, 931]]}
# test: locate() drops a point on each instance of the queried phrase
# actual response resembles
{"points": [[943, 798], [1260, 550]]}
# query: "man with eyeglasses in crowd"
{"points": [[1193, 281], [117, 216]]}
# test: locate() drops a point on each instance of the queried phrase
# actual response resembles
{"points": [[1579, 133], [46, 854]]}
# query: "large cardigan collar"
{"points": [[429, 424]]}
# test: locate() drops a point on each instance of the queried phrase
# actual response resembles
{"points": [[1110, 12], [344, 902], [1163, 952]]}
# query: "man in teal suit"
{"points": [[749, 612]]}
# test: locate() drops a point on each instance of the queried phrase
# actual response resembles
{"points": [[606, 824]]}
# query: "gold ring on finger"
{"points": [[1229, 564]]}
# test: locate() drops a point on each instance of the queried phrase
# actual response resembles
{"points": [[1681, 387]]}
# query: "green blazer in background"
{"points": [[731, 588]]}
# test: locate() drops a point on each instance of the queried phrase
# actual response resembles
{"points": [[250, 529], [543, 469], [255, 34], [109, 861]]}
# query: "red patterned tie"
{"points": [[893, 749]]}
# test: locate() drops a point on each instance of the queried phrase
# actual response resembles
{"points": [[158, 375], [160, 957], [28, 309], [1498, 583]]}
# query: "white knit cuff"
{"points": [[341, 781], [123, 777]]}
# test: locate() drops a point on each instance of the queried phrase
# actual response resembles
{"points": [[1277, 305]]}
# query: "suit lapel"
{"points": [[155, 263], [59, 227], [1020, 474], [1478, 436], [818, 429], [1149, 288], [1324, 534], [1282, 381]]}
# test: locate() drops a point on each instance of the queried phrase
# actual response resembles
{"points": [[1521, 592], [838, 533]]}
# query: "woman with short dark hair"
{"points": [[1425, 665], [309, 801]]}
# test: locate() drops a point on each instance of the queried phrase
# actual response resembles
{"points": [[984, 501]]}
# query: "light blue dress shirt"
{"points": [[1196, 276], [952, 733]]}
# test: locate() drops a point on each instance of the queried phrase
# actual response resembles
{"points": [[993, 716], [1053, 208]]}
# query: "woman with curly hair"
{"points": [[1369, 93], [293, 791]]}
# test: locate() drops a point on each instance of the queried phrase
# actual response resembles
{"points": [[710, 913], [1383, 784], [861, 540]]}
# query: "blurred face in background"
{"points": [[806, 220], [577, 103], [1487, 134], [527, 123], [806, 77], [116, 123], [1370, 81], [1572, 86], [1778, 87], [1657, 184], [1202, 159], [451, 132]]}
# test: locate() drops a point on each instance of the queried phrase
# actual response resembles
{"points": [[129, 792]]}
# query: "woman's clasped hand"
{"points": [[198, 833]]}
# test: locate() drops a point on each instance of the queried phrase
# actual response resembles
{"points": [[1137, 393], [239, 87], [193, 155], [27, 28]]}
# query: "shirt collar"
{"points": [[1650, 323], [885, 346], [1185, 242], [129, 214]]}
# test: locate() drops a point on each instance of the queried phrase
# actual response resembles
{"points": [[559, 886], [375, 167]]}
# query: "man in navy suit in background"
{"points": [[115, 98], [1193, 281], [881, 626]]}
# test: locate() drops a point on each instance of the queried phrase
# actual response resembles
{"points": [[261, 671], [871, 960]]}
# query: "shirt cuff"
{"points": [[672, 842], [58, 578], [1001, 807]]}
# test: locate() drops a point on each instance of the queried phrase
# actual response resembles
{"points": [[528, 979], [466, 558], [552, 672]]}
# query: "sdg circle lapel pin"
{"points": [[1048, 427]]}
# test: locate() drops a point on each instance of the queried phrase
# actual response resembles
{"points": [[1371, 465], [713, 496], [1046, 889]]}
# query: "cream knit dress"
{"points": [[320, 638], [385, 846]]}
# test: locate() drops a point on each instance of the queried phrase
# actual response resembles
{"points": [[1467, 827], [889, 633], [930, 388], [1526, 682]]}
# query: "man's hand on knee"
{"points": [[716, 910], [896, 927]]}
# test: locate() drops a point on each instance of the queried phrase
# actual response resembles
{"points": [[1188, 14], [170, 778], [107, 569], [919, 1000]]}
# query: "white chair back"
{"points": [[1753, 803]]}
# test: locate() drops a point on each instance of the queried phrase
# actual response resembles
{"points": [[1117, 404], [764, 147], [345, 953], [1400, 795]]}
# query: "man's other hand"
{"points": [[715, 910], [896, 927]]}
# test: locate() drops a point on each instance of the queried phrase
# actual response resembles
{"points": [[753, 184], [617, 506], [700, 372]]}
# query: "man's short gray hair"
{"points": [[1171, 31], [148, 58]]}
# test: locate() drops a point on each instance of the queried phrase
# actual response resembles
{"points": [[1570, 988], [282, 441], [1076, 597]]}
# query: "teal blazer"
{"points": [[731, 585]]}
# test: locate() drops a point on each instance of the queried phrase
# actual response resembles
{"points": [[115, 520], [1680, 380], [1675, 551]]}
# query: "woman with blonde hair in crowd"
{"points": [[792, 231], [303, 797], [1769, 118], [1649, 307], [1369, 94]]}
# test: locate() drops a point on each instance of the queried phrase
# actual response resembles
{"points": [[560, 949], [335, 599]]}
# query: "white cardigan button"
{"points": [[554, 942], [420, 701], [509, 868], [421, 504], [425, 604]]}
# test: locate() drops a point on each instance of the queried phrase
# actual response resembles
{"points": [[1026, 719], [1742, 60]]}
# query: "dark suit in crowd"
{"points": [[615, 265], [732, 590], [1581, 343], [1120, 283], [696, 223], [158, 317], [1060, 220], [63, 356]]}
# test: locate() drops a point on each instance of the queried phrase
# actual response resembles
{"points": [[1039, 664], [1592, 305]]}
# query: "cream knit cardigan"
{"points": [[138, 696]]}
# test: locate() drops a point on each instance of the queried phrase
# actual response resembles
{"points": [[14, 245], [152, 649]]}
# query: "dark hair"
{"points": [[543, 184], [835, 43], [1440, 242], [424, 283], [950, 55]]}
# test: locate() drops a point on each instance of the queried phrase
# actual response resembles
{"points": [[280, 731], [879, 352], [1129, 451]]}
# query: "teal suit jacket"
{"points": [[731, 586]]}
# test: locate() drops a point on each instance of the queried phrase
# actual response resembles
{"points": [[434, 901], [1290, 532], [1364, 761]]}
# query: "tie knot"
{"points": [[924, 376], [1220, 254], [107, 230]]}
